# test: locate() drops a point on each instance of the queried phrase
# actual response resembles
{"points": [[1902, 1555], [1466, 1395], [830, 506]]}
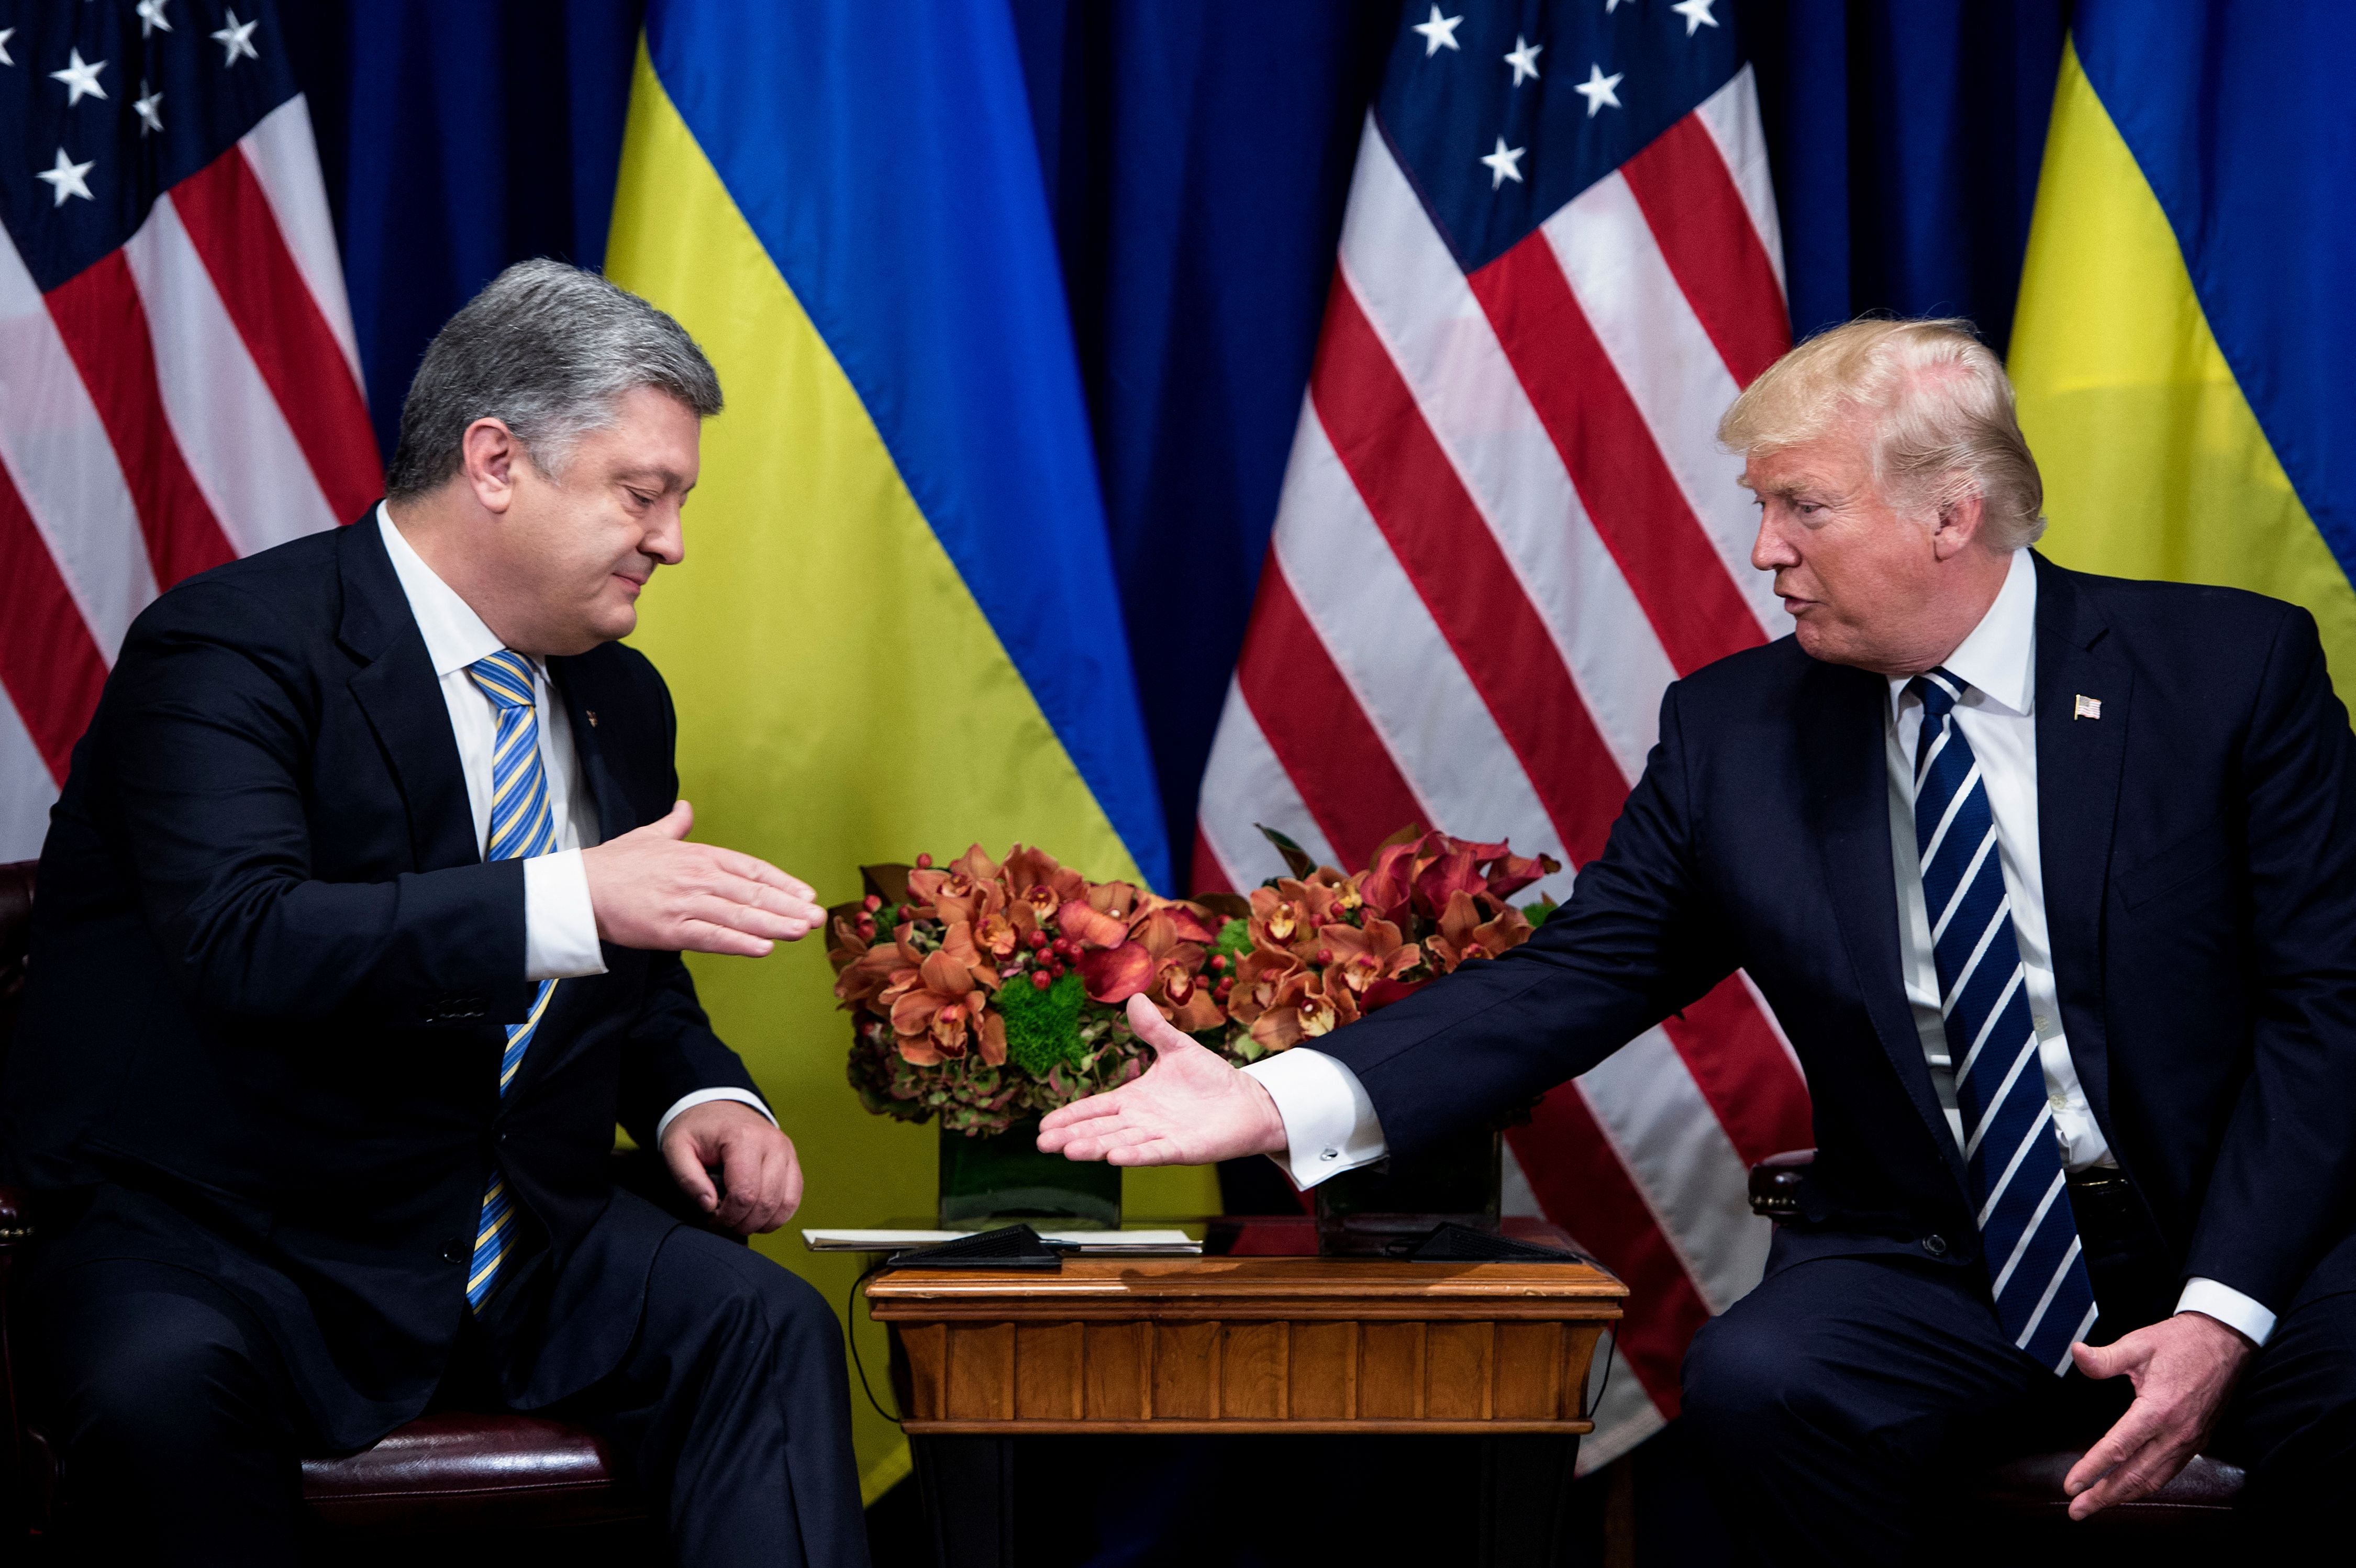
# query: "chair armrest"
{"points": [[1775, 1183], [15, 1230]]}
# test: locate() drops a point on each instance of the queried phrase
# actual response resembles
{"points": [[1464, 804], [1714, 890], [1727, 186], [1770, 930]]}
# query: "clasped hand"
{"points": [[758, 1169], [652, 889]]}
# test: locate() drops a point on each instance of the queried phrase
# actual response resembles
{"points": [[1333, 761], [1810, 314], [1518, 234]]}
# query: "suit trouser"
{"points": [[182, 1442], [1840, 1406]]}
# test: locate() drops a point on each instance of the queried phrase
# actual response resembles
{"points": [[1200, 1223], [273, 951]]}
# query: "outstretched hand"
{"points": [[651, 888], [1190, 1108], [2182, 1369]]}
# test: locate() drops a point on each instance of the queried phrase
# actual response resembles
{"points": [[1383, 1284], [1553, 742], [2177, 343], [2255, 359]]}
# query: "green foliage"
{"points": [[1298, 860], [1043, 1027], [1535, 914], [1235, 939]]}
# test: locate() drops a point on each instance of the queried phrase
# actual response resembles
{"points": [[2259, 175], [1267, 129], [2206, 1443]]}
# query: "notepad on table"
{"points": [[1087, 1243]]}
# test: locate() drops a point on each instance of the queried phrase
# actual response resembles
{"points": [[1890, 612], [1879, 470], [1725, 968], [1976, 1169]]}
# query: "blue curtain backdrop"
{"points": [[457, 136], [1196, 181], [1905, 137]]}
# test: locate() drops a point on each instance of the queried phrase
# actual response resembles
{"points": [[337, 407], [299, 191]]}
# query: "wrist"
{"points": [[1271, 1136], [593, 861], [2228, 1337]]}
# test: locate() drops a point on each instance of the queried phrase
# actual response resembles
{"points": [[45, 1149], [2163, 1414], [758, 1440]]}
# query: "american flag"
{"points": [[178, 380], [1506, 528]]}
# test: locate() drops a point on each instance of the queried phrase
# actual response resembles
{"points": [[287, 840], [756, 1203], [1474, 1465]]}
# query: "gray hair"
{"points": [[1939, 409], [547, 349]]}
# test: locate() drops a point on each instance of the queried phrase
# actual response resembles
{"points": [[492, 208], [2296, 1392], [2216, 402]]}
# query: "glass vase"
{"points": [[1457, 1179], [999, 1178]]}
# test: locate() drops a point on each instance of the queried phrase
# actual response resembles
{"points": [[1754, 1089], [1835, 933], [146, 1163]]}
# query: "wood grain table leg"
{"points": [[969, 1489], [1526, 1500]]}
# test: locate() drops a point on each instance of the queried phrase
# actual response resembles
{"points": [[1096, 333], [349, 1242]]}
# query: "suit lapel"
{"points": [[576, 685], [398, 692], [1849, 804], [2077, 772]]}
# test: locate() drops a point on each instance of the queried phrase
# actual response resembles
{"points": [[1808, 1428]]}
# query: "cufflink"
{"points": [[1331, 1155]]}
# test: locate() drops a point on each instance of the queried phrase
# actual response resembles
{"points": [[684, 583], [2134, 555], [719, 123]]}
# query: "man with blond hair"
{"points": [[2052, 882]]}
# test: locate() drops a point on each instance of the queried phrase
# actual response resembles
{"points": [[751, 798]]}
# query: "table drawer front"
{"points": [[975, 1376]]}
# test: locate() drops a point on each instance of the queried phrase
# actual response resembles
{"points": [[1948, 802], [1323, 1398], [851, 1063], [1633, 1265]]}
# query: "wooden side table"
{"points": [[1248, 1345]]}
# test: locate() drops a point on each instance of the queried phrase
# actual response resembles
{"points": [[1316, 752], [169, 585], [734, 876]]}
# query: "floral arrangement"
{"points": [[987, 992]]}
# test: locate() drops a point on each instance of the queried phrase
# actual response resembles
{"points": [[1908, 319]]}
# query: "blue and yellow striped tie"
{"points": [[522, 826]]}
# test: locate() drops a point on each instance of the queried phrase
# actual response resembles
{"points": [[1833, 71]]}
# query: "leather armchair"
{"points": [[448, 1473], [2025, 1493]]}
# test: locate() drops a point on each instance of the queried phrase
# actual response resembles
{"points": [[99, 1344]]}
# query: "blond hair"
{"points": [[1939, 408]]}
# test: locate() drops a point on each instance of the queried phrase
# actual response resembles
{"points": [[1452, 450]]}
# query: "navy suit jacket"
{"points": [[269, 972], [2199, 844]]}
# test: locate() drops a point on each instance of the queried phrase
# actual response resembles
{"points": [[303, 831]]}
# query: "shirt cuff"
{"points": [[560, 925], [2228, 1306], [705, 1097], [1329, 1122]]}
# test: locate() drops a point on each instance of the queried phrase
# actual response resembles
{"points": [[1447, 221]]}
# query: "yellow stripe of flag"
{"points": [[886, 716], [2154, 463]]}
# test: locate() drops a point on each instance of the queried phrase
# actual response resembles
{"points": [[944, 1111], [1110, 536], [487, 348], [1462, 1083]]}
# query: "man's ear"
{"points": [[489, 454], [1958, 525]]}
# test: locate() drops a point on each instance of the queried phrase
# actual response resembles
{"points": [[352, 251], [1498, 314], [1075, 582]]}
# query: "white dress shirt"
{"points": [[559, 927], [1330, 1122]]}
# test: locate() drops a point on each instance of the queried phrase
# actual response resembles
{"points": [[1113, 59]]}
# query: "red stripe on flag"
{"points": [[1630, 494], [1580, 1184], [1444, 543], [1713, 250], [1208, 875], [228, 220], [104, 325], [50, 663], [1742, 1071], [1315, 727]]}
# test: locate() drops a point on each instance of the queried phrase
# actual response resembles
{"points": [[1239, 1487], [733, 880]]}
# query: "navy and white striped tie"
{"points": [[522, 826], [2010, 1156]]}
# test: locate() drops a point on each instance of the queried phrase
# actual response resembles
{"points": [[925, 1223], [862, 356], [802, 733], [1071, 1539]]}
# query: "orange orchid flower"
{"points": [[1363, 956], [1091, 927], [939, 1007], [957, 943], [998, 936]]}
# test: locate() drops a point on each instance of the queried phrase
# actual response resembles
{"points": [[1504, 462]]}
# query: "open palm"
{"points": [[1190, 1108]]}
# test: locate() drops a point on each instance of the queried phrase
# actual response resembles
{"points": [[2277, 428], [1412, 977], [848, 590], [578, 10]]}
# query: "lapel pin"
{"points": [[591, 713], [2087, 708]]}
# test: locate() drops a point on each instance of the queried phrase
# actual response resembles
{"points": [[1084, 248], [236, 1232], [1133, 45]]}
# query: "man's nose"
{"points": [[665, 541], [1770, 552]]}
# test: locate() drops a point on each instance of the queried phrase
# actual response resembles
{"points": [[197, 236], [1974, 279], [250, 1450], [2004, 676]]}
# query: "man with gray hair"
{"points": [[2051, 880], [357, 930]]}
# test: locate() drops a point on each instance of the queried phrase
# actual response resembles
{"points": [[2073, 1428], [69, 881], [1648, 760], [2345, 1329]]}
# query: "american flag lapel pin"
{"points": [[2087, 708]]}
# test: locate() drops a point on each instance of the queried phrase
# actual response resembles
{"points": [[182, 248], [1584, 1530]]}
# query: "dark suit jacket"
{"points": [[270, 972], [2199, 844]]}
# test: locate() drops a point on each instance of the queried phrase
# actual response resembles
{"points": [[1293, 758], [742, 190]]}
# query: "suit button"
{"points": [[1935, 1245], [507, 1137], [454, 1250]]}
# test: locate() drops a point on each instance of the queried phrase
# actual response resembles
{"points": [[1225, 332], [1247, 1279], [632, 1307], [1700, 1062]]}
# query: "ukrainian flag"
{"points": [[2187, 327], [896, 628]]}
